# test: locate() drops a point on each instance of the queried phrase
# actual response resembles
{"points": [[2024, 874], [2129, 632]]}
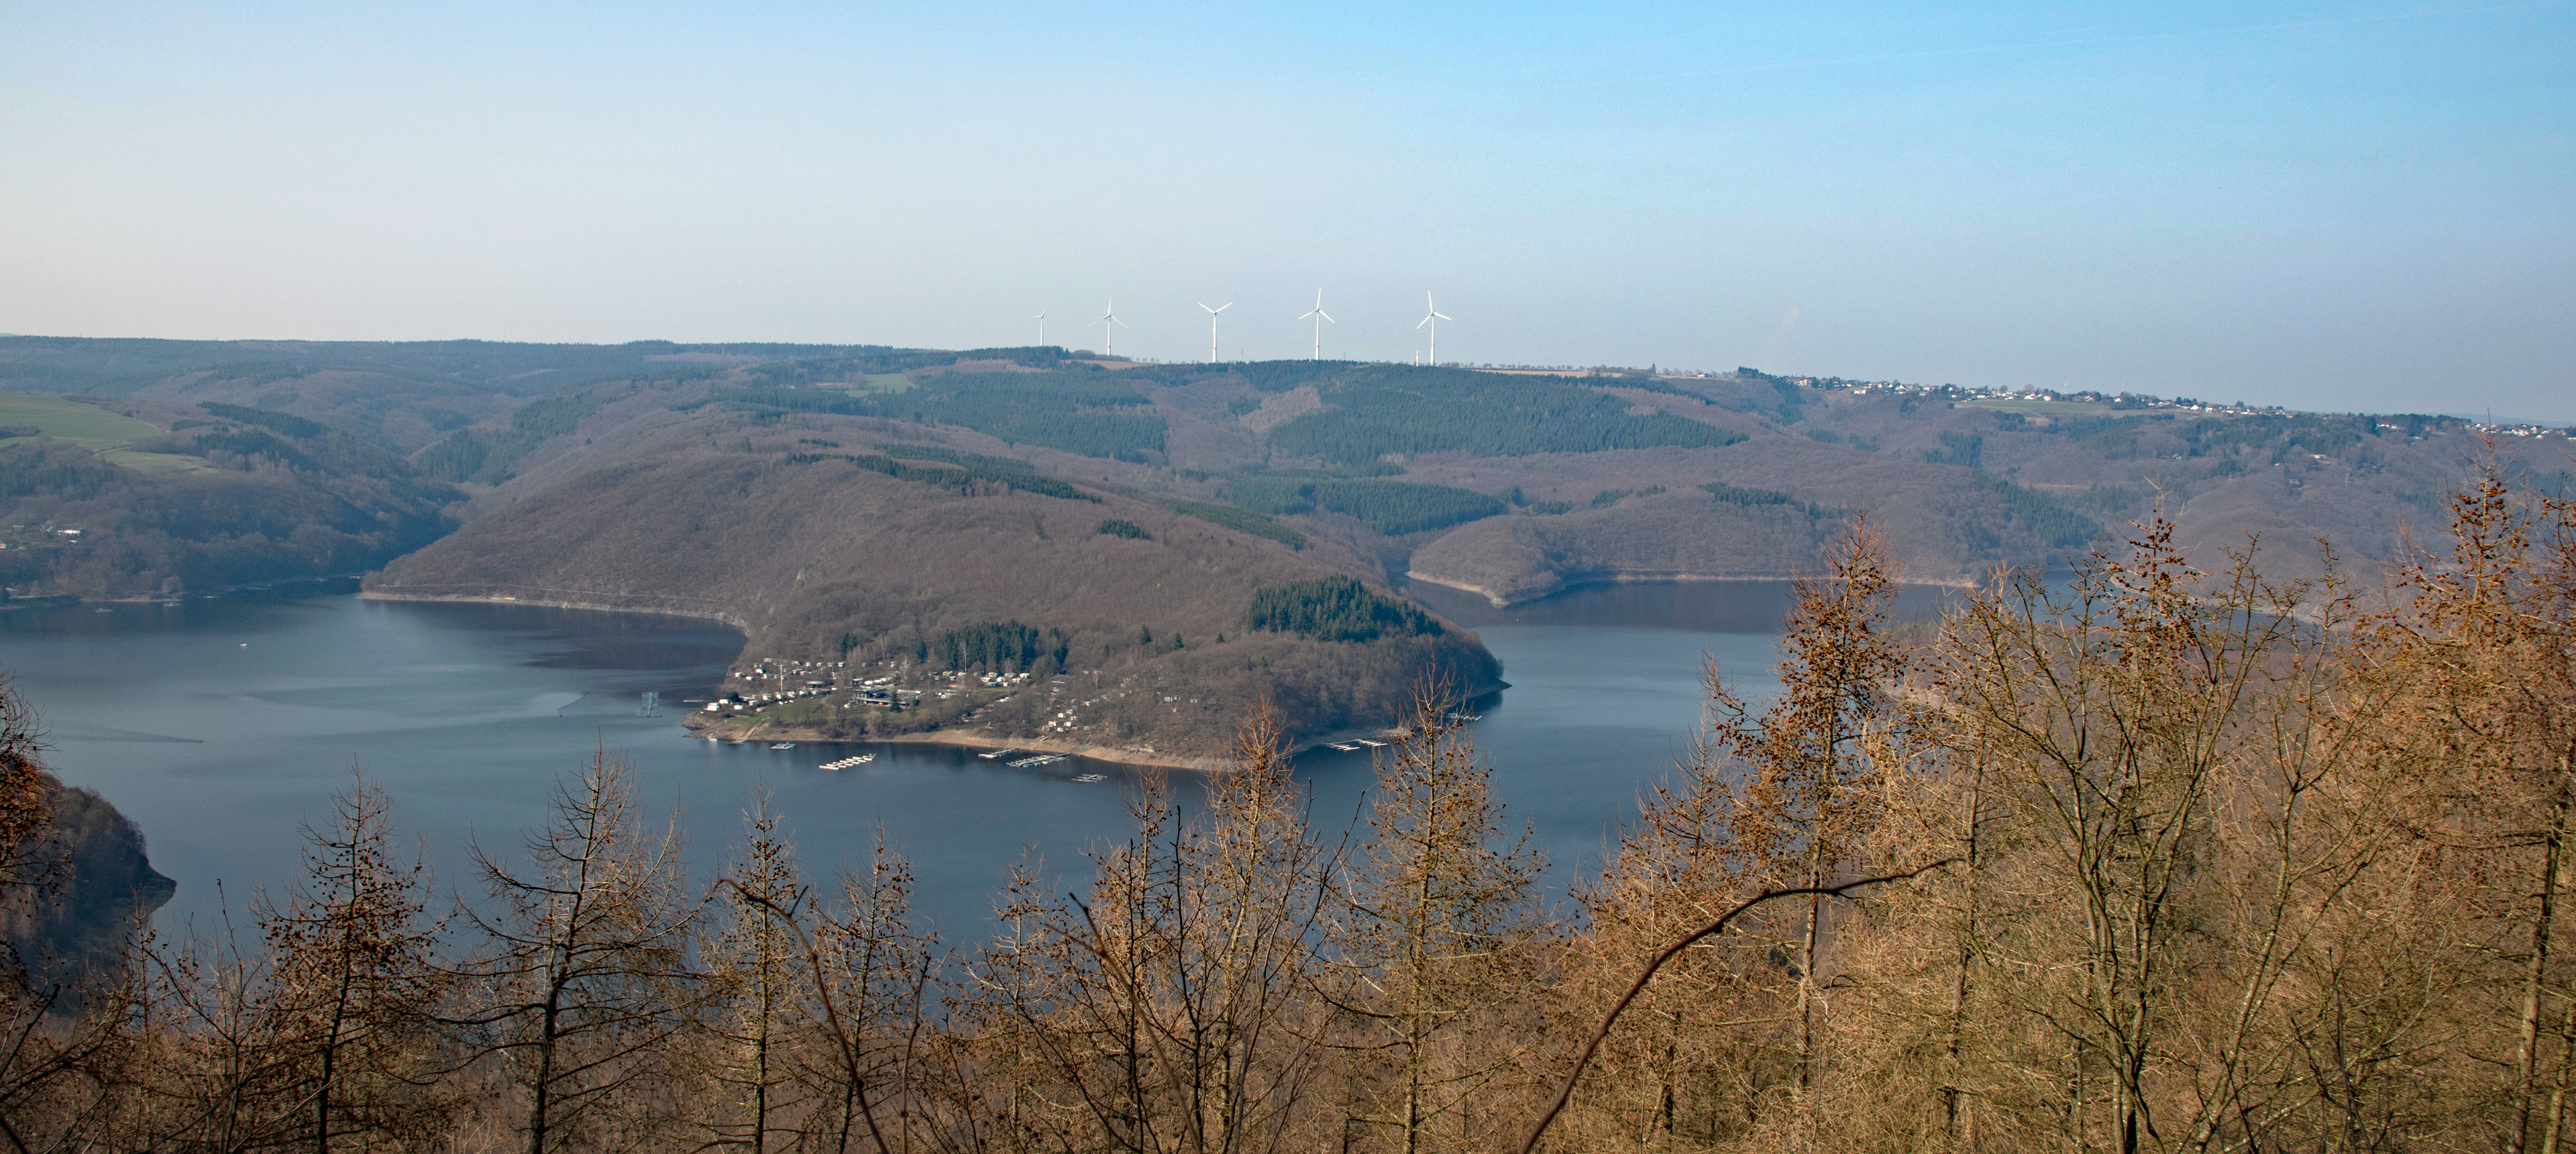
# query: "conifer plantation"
{"points": [[2166, 855]]}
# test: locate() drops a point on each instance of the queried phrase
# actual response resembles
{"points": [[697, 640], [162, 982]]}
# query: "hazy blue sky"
{"points": [[2353, 205]]}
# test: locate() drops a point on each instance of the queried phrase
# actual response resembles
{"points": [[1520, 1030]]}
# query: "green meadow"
{"points": [[85, 425], [154, 462]]}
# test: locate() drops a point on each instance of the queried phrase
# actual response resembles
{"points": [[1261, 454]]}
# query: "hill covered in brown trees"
{"points": [[821, 558]]}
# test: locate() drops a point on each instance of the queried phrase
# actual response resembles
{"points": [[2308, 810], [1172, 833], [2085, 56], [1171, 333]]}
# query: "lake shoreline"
{"points": [[380, 594], [1627, 577], [768, 733], [288, 585]]}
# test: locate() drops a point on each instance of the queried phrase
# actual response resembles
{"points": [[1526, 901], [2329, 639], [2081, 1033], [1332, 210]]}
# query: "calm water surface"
{"points": [[222, 725]]}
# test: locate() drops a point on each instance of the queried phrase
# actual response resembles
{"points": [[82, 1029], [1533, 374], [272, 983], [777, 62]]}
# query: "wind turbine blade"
{"points": [[1424, 321], [1325, 315], [1443, 316]]}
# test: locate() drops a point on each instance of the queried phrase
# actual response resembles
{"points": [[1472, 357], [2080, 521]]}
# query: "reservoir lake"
{"points": [[222, 725]]}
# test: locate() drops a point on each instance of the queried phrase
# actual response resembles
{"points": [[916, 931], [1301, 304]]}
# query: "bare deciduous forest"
{"points": [[2172, 857]]}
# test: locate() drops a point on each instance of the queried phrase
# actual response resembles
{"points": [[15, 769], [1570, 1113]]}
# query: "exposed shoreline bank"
{"points": [[1623, 577], [58, 600], [768, 734], [556, 603]]}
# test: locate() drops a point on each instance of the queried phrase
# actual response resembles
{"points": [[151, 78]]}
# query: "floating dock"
{"points": [[783, 745], [1041, 759], [847, 762], [1089, 777]]}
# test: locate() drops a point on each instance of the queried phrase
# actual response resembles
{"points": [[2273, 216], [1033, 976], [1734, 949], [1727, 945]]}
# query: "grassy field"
{"points": [[154, 462], [2038, 408], [886, 383], [87, 426]]}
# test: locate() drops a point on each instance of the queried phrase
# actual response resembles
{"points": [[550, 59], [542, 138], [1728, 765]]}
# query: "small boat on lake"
{"points": [[997, 753], [783, 745]]}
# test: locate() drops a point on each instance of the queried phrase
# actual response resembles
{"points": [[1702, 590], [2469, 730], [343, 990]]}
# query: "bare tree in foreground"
{"points": [[1434, 928], [587, 984], [354, 986]]}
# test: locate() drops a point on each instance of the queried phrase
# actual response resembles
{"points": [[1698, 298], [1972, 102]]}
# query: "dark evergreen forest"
{"points": [[1239, 520], [1337, 609], [1388, 507], [1385, 409], [958, 477], [488, 456]]}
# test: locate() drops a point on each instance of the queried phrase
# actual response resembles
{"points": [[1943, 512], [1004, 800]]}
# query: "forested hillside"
{"points": [[1513, 483], [2156, 857], [1375, 411], [822, 553], [1091, 413], [74, 884]]}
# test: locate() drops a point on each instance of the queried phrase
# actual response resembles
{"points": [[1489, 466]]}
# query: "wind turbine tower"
{"points": [[1436, 315], [1041, 330], [1107, 319], [1320, 317], [1212, 357]]}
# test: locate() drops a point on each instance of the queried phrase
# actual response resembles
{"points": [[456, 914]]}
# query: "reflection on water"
{"points": [[222, 725]]}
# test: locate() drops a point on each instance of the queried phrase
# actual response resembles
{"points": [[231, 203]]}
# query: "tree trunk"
{"points": [[2535, 975]]}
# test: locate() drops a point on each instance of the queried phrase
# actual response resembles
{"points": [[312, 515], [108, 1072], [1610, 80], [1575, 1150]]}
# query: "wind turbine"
{"points": [[1041, 330], [1319, 323], [1436, 314], [1107, 319], [1212, 357]]}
